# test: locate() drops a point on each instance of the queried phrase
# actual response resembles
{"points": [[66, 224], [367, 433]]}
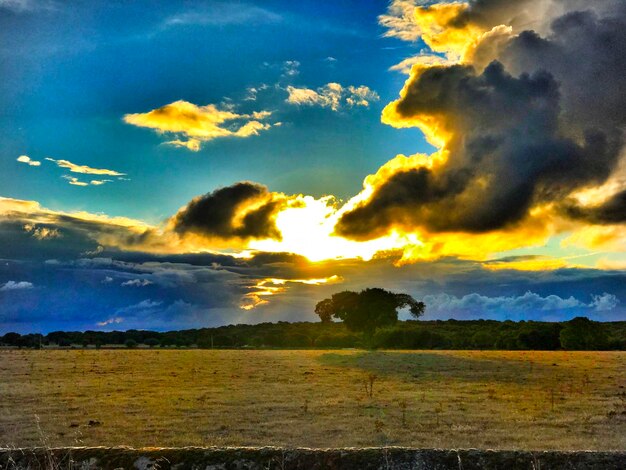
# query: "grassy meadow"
{"points": [[314, 398]]}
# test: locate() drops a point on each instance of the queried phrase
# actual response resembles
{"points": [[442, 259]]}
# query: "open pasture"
{"points": [[314, 398]]}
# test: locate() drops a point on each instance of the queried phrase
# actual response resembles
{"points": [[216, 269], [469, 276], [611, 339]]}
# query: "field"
{"points": [[452, 399]]}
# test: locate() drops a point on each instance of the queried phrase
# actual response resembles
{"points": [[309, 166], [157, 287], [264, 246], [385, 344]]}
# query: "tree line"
{"points": [[577, 334]]}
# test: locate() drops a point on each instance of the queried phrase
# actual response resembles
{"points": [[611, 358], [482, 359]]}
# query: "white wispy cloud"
{"points": [[143, 307], [99, 182], [399, 20], [137, 283], [76, 182], [27, 6], [291, 68], [28, 161], [423, 59], [222, 14], [332, 95], [16, 285], [604, 302], [84, 169], [110, 321], [252, 92]]}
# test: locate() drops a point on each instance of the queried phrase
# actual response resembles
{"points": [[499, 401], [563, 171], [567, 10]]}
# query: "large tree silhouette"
{"points": [[367, 310]]}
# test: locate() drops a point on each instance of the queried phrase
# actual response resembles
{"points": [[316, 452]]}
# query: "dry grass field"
{"points": [[454, 399]]}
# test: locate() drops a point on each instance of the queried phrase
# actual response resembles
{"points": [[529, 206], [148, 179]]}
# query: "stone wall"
{"points": [[266, 458]]}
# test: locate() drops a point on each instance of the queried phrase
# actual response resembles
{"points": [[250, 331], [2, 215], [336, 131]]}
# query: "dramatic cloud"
{"points": [[13, 285], [611, 211], [84, 169], [26, 159], [244, 210], [28, 230], [203, 289], [523, 101], [543, 120], [332, 95], [199, 123]]}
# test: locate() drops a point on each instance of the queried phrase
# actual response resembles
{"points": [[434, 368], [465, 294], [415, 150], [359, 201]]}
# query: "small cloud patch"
{"points": [[332, 95], [16, 285], [137, 283], [28, 161]]}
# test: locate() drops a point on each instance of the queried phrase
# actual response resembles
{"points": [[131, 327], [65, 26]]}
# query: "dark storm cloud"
{"points": [[612, 211], [244, 210], [18, 243], [586, 53], [542, 121], [29, 231]]}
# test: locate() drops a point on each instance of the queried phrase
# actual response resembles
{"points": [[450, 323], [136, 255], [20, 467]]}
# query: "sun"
{"points": [[307, 229]]}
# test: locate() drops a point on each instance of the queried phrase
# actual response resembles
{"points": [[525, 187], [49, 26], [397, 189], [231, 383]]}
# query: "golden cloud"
{"points": [[199, 123], [272, 286], [84, 169]]}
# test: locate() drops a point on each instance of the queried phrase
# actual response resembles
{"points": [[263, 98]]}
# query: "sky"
{"points": [[168, 165]]}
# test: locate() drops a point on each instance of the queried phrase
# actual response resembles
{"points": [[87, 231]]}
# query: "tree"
{"points": [[12, 339], [581, 333], [367, 310], [130, 343], [152, 342], [539, 336], [483, 339]]}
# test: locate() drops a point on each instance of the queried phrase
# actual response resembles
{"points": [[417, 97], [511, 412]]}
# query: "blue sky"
{"points": [[181, 164], [72, 73]]}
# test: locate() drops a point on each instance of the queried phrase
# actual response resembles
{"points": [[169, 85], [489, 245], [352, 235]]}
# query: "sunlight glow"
{"points": [[307, 229], [273, 286]]}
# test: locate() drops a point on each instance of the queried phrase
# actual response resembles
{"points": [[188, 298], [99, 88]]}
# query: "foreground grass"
{"points": [[488, 399]]}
